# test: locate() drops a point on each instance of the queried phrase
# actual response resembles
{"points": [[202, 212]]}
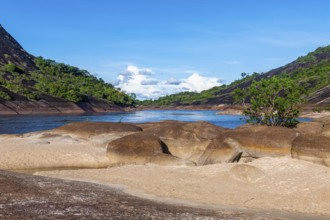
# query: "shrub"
{"points": [[272, 102]]}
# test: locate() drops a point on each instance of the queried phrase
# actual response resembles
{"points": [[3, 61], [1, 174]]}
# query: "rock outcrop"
{"points": [[325, 123], [218, 151], [310, 128], [17, 70], [99, 134], [313, 143], [186, 140], [102, 144], [313, 148], [13, 52], [87, 129], [261, 141], [141, 148]]}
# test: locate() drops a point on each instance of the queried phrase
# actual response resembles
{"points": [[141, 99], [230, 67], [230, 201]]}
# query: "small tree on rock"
{"points": [[272, 102]]}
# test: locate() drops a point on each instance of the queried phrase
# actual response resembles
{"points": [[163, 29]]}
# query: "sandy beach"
{"points": [[273, 184], [277, 185]]}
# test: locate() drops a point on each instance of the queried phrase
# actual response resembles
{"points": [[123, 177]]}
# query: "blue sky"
{"points": [[157, 47]]}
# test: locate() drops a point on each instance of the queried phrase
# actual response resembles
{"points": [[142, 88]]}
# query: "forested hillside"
{"points": [[57, 80], [312, 71], [25, 78]]}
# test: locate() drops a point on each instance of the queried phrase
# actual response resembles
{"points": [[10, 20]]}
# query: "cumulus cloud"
{"points": [[144, 83], [196, 82]]}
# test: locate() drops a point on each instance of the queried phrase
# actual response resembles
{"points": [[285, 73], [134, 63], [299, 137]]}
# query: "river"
{"points": [[27, 123], [17, 124]]}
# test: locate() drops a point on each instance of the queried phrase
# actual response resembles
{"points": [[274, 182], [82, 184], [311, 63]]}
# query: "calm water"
{"points": [[27, 123]]}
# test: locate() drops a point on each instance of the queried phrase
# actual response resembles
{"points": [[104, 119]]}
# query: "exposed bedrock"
{"points": [[102, 144], [99, 134], [186, 140], [313, 148], [142, 148], [261, 141]]}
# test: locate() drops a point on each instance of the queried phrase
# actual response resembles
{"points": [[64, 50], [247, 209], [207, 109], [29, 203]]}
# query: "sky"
{"points": [[158, 47]]}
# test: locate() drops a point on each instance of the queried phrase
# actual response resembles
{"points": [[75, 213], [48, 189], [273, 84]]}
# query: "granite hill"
{"points": [[311, 71], [30, 84]]}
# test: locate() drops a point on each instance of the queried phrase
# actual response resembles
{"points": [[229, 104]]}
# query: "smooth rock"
{"points": [[186, 140], [261, 141], [99, 134], [88, 129], [141, 148], [219, 152], [312, 148], [325, 123], [314, 128]]}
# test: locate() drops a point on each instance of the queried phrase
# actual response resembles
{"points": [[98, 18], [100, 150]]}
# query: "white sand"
{"points": [[33, 152], [282, 184]]}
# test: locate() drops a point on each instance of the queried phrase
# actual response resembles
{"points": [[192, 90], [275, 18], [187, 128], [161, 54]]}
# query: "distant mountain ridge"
{"points": [[312, 70], [33, 85]]}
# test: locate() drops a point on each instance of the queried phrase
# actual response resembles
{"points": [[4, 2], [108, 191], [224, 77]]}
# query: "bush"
{"points": [[272, 102]]}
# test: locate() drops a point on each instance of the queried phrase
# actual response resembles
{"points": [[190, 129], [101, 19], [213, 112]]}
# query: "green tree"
{"points": [[272, 102]]}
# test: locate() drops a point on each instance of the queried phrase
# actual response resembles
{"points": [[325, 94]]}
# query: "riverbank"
{"points": [[181, 164], [224, 109], [57, 107]]}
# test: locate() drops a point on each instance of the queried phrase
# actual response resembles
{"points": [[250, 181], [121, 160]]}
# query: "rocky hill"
{"points": [[34, 85], [312, 71], [12, 52]]}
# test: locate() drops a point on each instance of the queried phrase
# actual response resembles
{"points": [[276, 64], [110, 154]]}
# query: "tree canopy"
{"points": [[61, 81], [272, 102]]}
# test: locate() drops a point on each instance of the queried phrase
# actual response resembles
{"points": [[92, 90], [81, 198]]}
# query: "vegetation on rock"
{"points": [[24, 77], [76, 85], [58, 80], [312, 71]]}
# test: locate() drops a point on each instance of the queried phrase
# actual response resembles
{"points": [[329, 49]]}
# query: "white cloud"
{"points": [[198, 83], [143, 82]]}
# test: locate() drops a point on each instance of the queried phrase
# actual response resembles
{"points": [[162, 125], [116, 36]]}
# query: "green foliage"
{"points": [[188, 98], [61, 81], [10, 67], [184, 98], [273, 102], [312, 56], [73, 84], [5, 96], [314, 77], [239, 96], [312, 71]]}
